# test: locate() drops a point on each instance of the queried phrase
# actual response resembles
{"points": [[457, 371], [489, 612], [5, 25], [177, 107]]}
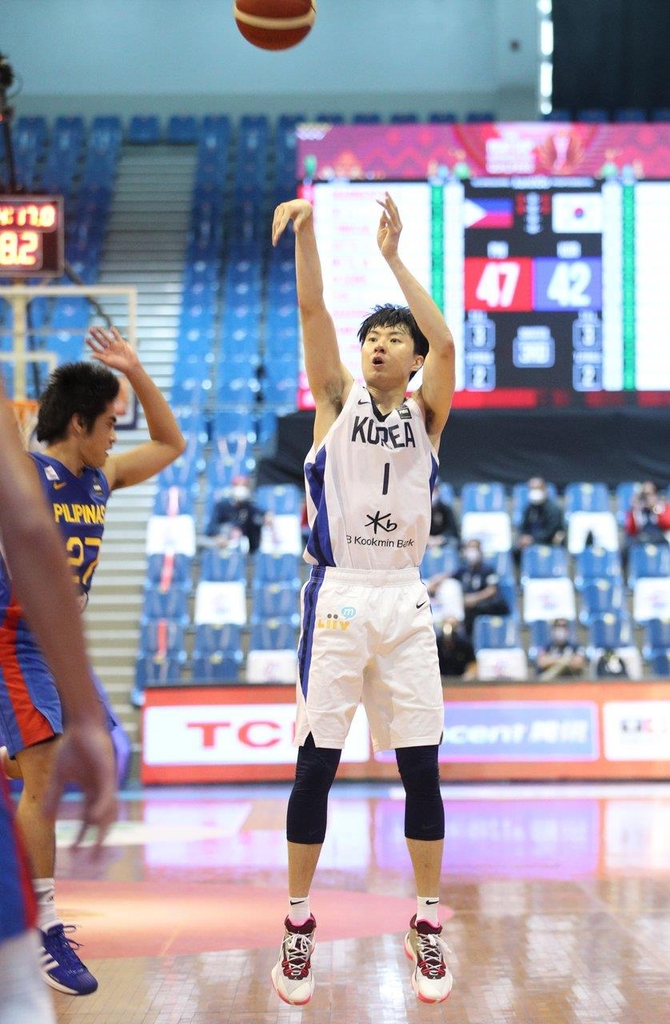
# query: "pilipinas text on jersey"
{"points": [[79, 505]]}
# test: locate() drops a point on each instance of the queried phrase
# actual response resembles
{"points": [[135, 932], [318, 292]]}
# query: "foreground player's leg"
{"points": [[424, 831], [306, 820], [61, 967]]}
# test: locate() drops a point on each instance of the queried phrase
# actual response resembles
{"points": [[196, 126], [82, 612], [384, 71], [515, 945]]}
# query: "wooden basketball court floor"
{"points": [[556, 906]]}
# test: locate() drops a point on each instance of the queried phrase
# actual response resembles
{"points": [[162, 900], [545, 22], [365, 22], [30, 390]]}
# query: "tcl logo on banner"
{"points": [[203, 734]]}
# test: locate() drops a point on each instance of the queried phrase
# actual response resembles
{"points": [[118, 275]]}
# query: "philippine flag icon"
{"points": [[578, 213], [488, 213]]}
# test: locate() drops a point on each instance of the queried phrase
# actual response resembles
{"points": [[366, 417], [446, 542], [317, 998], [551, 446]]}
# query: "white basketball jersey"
{"points": [[369, 487]]}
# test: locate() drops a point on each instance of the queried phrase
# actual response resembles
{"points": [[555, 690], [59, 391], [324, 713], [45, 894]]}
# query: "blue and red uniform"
{"points": [[30, 708], [17, 899]]}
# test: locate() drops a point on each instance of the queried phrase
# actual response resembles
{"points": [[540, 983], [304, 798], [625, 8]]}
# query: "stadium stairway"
{"points": [[144, 247]]}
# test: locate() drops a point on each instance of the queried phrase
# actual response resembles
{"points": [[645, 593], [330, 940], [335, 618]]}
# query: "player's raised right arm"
{"points": [[328, 377]]}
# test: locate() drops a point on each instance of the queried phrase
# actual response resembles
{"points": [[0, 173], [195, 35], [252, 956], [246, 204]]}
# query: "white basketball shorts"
{"points": [[367, 635]]}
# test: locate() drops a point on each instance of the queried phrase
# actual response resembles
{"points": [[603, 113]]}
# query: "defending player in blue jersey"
{"points": [[77, 473], [367, 631], [40, 574]]}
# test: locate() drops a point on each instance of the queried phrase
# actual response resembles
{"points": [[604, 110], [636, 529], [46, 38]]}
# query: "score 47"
{"points": [[525, 285]]}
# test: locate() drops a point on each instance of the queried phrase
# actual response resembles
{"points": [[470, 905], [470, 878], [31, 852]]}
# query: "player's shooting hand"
{"points": [[297, 210], [110, 348], [390, 226], [86, 758]]}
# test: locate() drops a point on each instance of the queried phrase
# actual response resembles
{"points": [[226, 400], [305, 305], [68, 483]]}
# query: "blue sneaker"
{"points": [[61, 967]]}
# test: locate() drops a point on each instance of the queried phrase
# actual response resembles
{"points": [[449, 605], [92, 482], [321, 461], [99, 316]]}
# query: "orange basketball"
{"points": [[274, 24]]}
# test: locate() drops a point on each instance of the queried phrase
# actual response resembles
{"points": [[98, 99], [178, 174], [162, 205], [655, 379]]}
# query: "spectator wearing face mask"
{"points": [[455, 652], [542, 521], [479, 580], [563, 658], [236, 521]]}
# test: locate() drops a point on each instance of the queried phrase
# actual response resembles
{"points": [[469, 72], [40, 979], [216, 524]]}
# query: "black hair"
{"points": [[390, 315], [74, 389]]}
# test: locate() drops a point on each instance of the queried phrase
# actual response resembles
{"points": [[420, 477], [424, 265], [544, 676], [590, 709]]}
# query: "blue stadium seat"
{"points": [[275, 600], [480, 117], [144, 129], [646, 560], [217, 653], [586, 497], [156, 670], [507, 589], [446, 492], [274, 634], [175, 568], [161, 636], [404, 118], [503, 563], [223, 566], [660, 114], [438, 560], [540, 561], [174, 501], [275, 568], [495, 631], [610, 630], [182, 129], [166, 604], [597, 597], [595, 563], [282, 499], [369, 118], [483, 497], [656, 646]]}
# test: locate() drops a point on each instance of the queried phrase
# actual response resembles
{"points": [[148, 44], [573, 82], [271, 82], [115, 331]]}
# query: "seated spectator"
{"points": [[542, 521], [443, 524], [455, 652], [479, 580], [236, 522], [648, 518], [562, 658]]}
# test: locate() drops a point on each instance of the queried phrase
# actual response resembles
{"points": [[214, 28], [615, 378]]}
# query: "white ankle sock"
{"points": [[46, 907], [428, 909], [298, 910]]}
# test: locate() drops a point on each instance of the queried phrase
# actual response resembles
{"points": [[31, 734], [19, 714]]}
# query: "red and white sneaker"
{"points": [[292, 976], [431, 978]]}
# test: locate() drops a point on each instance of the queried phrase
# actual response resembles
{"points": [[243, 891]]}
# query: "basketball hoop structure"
{"points": [[25, 412]]}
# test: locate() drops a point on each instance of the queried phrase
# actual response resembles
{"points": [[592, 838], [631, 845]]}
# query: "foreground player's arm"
{"points": [[438, 382], [329, 379], [33, 550], [167, 442]]}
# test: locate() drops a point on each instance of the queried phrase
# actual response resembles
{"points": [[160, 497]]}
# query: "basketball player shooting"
{"points": [[76, 474], [33, 552], [367, 631]]}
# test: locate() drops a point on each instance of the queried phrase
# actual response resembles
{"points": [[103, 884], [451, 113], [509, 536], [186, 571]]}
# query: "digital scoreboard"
{"points": [[552, 287], [543, 243], [32, 233]]}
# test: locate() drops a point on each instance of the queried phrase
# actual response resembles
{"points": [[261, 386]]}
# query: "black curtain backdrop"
{"points": [[562, 446], [611, 53]]}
